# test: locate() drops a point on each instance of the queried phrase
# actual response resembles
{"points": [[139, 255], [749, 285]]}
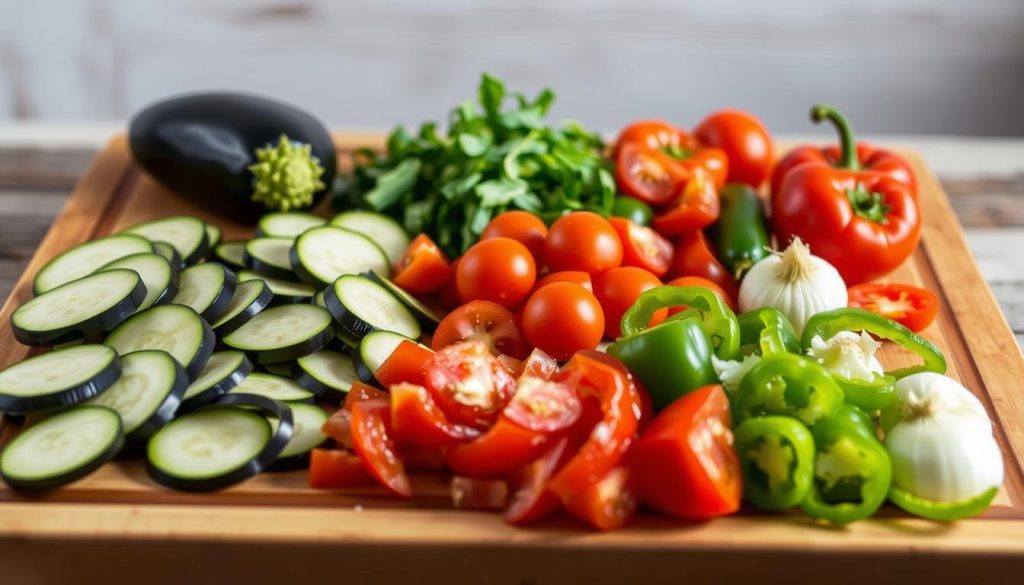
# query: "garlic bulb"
{"points": [[795, 282], [730, 372], [847, 354], [940, 440]]}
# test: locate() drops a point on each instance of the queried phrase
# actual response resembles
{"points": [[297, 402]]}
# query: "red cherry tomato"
{"points": [[470, 385], [643, 247], [915, 308], [485, 321], [746, 143], [693, 257], [647, 174], [423, 267], [654, 134], [574, 276], [563, 318], [583, 241], [500, 270], [521, 226], [617, 290]]}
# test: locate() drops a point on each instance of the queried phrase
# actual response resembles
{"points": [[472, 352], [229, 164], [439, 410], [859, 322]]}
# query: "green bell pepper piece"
{"points": [[787, 384], [854, 419], [852, 472], [670, 359], [769, 330], [941, 511], [776, 456], [717, 318]]}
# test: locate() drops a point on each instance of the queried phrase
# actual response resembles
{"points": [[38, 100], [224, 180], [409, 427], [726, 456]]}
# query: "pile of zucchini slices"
{"points": [[215, 360]]}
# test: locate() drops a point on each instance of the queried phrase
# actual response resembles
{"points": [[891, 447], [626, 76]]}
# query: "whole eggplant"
{"points": [[202, 146]]}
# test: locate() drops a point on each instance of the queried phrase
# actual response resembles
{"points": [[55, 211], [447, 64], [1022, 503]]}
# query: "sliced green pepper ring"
{"points": [[787, 384], [769, 330], [870, 395], [852, 473], [854, 419], [718, 319], [941, 511], [776, 456], [828, 323]]}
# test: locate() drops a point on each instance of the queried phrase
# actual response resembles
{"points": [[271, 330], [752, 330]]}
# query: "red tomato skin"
{"points": [[584, 241], [530, 499], [485, 321], [466, 372], [416, 418], [331, 469], [746, 142], [609, 503], [643, 247], [648, 174], [523, 227], [693, 257], [581, 326], [617, 290], [423, 268], [500, 270], [574, 276], [373, 444], [407, 363]]}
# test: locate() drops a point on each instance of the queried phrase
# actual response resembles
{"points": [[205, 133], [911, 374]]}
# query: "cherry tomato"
{"points": [[609, 503], [372, 441], [574, 276], [469, 384], [687, 449], [617, 290], [650, 175], [416, 418], [423, 267], [693, 257], [915, 308], [336, 469], [563, 318], [632, 209], [500, 270], [485, 321], [696, 208], [407, 363], [643, 247], [521, 226], [655, 134], [745, 141], [582, 240], [698, 281]]}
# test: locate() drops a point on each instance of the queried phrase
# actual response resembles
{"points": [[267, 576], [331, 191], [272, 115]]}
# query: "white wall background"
{"points": [[919, 66]]}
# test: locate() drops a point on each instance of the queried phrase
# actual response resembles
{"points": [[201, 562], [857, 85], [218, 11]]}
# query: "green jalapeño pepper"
{"points": [[787, 384], [769, 331], [740, 235], [718, 319], [670, 359], [941, 511], [852, 472], [776, 456]]}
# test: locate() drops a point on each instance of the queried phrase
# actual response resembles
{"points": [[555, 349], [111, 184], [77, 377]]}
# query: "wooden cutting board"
{"points": [[274, 527]]}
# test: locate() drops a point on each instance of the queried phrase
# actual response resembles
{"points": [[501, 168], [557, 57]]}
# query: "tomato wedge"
{"points": [[407, 363], [339, 428], [539, 365], [531, 499], [696, 208], [643, 247], [423, 267], [469, 384], [914, 308], [484, 321], [336, 469], [416, 419], [693, 257], [371, 439], [684, 462], [609, 503], [360, 392], [648, 174]]}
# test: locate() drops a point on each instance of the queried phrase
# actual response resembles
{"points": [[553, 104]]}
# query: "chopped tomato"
{"points": [[483, 321], [539, 365], [469, 384], [339, 428], [694, 257], [423, 267], [530, 499], [684, 462], [643, 247], [360, 392], [648, 174], [513, 366], [336, 469], [915, 308], [609, 503], [415, 418], [471, 493], [696, 208], [408, 363], [371, 439], [574, 276]]}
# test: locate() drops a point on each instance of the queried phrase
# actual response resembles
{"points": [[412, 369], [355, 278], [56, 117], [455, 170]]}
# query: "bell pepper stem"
{"points": [[847, 141]]}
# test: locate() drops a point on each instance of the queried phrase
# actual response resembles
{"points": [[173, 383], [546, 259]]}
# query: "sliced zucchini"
{"points": [[207, 288], [213, 236], [381, 229], [285, 292], [230, 254], [269, 256], [373, 350], [62, 448], [273, 387], [320, 255], [287, 224], [186, 233], [283, 333], [224, 371], [361, 305], [307, 419], [170, 253], [176, 329], [427, 317], [86, 259], [251, 297], [218, 446], [147, 394], [280, 369], [62, 377], [87, 307], [330, 374], [160, 278]]}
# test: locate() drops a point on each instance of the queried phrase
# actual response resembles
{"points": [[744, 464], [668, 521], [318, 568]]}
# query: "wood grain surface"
{"points": [[272, 513]]}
